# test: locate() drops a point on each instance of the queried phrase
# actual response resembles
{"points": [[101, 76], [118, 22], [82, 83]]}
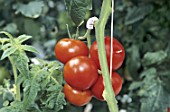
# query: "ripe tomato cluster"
{"points": [[81, 71]]}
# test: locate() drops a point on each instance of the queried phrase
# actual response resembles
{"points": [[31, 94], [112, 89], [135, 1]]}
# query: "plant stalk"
{"points": [[108, 93], [77, 33], [88, 38], [68, 31], [18, 96]]}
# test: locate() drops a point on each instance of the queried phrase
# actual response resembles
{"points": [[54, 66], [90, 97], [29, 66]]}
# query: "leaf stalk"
{"points": [[18, 96]]}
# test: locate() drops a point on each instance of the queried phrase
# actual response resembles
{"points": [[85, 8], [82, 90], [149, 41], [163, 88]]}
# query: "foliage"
{"points": [[41, 90], [144, 29], [77, 9]]}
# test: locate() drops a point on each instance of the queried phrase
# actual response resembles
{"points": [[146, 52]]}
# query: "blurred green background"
{"points": [[142, 26]]}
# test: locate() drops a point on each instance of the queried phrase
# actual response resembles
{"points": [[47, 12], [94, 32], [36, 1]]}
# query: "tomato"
{"points": [[168, 110], [4, 74], [67, 48], [98, 88], [80, 72], [118, 53], [77, 97]]}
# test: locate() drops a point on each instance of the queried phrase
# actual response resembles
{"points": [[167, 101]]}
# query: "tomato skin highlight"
{"points": [[98, 88], [77, 97], [80, 72], [118, 53], [67, 48]]}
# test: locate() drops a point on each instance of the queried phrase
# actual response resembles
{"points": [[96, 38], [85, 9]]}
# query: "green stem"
{"points": [[77, 33], [100, 27], [87, 35], [50, 76], [18, 96], [68, 31], [54, 80], [9, 35]]}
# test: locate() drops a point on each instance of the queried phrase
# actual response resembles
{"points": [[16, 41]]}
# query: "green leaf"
{"points": [[23, 38], [137, 13], [33, 9], [149, 72], [30, 92], [77, 9], [11, 27], [29, 48], [89, 7], [151, 58], [154, 97], [133, 62], [54, 65], [8, 52], [6, 46], [7, 34], [15, 106], [158, 99], [166, 81], [3, 40], [51, 90], [6, 103], [42, 77], [58, 75], [8, 95], [55, 98], [52, 97], [164, 73], [168, 50], [21, 62], [135, 85], [20, 79]]}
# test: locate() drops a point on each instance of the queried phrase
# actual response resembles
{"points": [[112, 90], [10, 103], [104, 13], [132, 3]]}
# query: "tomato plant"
{"points": [[118, 53], [77, 97], [80, 72], [98, 87], [35, 81], [68, 48], [142, 26]]}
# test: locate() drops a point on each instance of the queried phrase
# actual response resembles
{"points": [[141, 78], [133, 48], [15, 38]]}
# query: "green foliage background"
{"points": [[142, 26]]}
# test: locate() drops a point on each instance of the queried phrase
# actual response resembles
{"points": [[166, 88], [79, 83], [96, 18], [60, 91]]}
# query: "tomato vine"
{"points": [[99, 27]]}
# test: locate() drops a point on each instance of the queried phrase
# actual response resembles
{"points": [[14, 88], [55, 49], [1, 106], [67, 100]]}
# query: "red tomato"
{"points": [[168, 110], [80, 72], [67, 48], [77, 97], [98, 88], [118, 53]]}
